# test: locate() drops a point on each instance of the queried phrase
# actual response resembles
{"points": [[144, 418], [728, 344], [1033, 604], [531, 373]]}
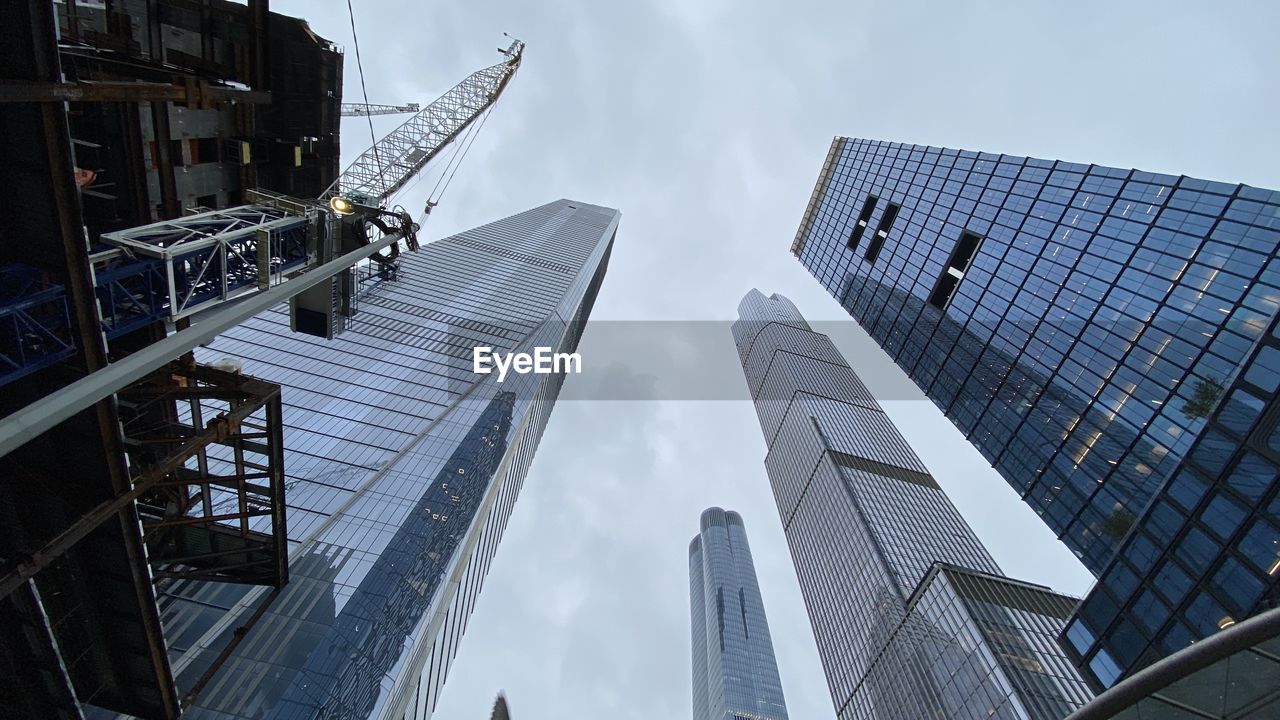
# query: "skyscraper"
{"points": [[912, 617], [735, 676], [1105, 338], [403, 467]]}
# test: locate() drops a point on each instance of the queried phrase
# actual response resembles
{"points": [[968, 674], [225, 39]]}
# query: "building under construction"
{"points": [[171, 161], [116, 115]]}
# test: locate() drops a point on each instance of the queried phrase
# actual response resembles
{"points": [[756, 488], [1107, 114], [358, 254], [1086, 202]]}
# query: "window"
{"points": [[855, 235], [205, 150], [882, 232], [951, 276], [1104, 668]]}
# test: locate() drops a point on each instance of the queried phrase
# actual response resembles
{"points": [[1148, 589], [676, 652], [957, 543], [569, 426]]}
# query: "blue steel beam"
{"points": [[35, 323]]}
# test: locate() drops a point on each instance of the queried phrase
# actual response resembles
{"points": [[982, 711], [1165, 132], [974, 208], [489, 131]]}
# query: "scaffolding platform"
{"points": [[35, 324]]}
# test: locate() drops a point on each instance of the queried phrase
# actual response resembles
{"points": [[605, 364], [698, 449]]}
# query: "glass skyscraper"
{"points": [[912, 617], [1105, 338], [403, 467], [735, 676]]}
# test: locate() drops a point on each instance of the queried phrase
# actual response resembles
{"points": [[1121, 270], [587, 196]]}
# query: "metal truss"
{"points": [[364, 109], [241, 538], [131, 293], [208, 443], [187, 264], [35, 324], [389, 164]]}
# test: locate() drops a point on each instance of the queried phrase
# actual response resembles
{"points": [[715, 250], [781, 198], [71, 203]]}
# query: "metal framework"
{"points": [[365, 109], [197, 94], [23, 426], [389, 164], [35, 324], [177, 267], [209, 445], [170, 459]]}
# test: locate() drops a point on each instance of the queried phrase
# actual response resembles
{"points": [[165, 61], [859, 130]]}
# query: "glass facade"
{"points": [[1081, 325], [1233, 676], [911, 615], [402, 469], [1206, 553], [735, 676]]}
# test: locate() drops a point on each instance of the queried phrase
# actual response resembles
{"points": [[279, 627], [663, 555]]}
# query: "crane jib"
{"points": [[395, 159]]}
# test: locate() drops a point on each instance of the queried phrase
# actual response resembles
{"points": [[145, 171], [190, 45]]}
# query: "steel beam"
{"points": [[124, 501], [200, 94], [365, 109], [41, 416]]}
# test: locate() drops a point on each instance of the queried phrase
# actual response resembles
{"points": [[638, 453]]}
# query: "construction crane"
{"points": [[249, 254], [184, 469], [366, 109], [396, 158]]}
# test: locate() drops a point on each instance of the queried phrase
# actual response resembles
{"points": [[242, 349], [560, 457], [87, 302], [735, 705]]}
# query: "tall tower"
{"points": [[403, 466], [1107, 339], [735, 676], [912, 617]]}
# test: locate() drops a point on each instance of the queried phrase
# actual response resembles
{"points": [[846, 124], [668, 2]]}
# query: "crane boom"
{"points": [[396, 158], [364, 109]]}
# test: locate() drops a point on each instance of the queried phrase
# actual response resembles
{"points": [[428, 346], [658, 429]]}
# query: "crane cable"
{"points": [[450, 154], [466, 148], [455, 161], [382, 171]]}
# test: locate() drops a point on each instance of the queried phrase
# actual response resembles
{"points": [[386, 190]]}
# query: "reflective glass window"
{"points": [[1149, 611], [1213, 451], [1176, 637], [1238, 586], [1141, 552], [1172, 581], [1206, 615], [1079, 636], [1197, 550], [1164, 521], [1126, 641], [1265, 370], [1187, 487], [1261, 546], [1223, 516], [1120, 580], [1252, 476], [1240, 410], [1104, 667]]}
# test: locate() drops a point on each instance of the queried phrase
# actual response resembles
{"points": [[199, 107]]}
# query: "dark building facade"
{"points": [[735, 674], [402, 467], [1083, 326], [118, 113], [912, 616], [159, 160]]}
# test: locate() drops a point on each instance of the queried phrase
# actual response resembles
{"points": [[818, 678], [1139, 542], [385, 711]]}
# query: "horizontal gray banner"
{"points": [[699, 360]]}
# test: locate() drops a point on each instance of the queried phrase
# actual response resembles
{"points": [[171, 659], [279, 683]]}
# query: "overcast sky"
{"points": [[706, 124]]}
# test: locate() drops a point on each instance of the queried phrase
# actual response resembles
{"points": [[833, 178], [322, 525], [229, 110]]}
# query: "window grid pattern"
{"points": [[735, 673], [991, 651], [401, 472], [1206, 553], [867, 528], [1103, 318], [1097, 303]]}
